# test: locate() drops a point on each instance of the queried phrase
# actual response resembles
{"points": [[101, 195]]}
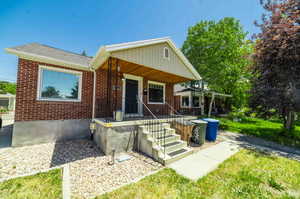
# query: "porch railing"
{"points": [[156, 123]]}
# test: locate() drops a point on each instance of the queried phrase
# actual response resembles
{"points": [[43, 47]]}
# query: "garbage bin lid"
{"points": [[199, 121], [210, 120]]}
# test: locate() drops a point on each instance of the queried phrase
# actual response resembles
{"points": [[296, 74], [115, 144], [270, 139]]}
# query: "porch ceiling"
{"points": [[146, 72]]}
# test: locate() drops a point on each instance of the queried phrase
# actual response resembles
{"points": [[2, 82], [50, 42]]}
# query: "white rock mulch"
{"points": [[25, 160], [90, 172], [93, 176]]}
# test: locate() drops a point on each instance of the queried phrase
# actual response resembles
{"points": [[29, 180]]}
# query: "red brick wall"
{"points": [[103, 110], [28, 108], [101, 107]]}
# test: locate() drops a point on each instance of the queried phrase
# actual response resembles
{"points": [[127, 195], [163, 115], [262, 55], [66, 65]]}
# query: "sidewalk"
{"points": [[250, 142], [202, 162]]}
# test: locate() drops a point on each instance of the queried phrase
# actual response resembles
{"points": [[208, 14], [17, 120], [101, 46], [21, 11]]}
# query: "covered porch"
{"points": [[134, 98], [135, 91]]}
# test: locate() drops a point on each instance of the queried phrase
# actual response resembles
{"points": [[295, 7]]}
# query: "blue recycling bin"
{"points": [[211, 129]]}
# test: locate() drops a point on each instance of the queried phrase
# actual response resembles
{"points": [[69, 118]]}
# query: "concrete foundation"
{"points": [[120, 138], [43, 131]]}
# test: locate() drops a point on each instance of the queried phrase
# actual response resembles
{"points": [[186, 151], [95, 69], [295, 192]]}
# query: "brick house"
{"points": [[59, 92]]}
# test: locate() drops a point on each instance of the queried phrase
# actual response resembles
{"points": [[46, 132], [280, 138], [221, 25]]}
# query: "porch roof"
{"points": [[146, 72]]}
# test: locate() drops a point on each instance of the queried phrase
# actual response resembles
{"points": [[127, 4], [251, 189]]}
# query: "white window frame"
{"points": [[181, 101], [40, 80], [164, 92], [164, 55], [192, 105]]}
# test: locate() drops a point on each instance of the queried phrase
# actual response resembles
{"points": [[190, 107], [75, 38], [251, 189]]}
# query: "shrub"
{"points": [[3, 110]]}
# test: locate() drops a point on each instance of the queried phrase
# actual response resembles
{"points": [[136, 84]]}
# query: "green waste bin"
{"points": [[199, 131]]}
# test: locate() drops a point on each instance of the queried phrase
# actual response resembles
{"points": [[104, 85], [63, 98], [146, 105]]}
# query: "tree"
{"points": [[219, 51], [7, 87], [276, 70], [74, 91], [83, 53], [50, 92]]}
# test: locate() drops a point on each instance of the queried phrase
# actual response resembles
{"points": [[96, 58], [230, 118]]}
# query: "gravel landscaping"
{"points": [[90, 172]]}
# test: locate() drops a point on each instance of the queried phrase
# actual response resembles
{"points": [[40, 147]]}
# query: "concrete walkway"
{"points": [[202, 162], [250, 142]]}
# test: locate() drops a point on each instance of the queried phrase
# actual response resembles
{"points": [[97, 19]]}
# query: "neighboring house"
{"points": [[59, 92], [198, 101], [7, 101]]}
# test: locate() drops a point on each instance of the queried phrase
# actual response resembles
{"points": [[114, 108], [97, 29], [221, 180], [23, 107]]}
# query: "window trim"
{"points": [[192, 105], [164, 92], [164, 55], [181, 101], [40, 79]]}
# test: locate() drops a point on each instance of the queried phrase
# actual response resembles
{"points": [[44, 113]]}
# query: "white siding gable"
{"points": [[153, 56]]}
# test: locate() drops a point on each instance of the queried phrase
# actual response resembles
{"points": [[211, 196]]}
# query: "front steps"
{"points": [[162, 143]]}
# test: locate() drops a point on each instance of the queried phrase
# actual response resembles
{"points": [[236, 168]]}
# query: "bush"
{"points": [[3, 110], [239, 114]]}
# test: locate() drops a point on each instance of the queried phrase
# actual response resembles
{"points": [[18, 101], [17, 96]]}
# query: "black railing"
{"points": [[160, 115], [155, 117]]}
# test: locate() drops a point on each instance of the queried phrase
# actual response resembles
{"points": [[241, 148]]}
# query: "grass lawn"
{"points": [[42, 185], [248, 174], [267, 129]]}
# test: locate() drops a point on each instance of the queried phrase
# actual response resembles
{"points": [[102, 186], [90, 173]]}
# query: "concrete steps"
{"points": [[162, 143]]}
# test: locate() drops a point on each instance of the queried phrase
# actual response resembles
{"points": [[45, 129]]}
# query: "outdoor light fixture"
{"points": [[92, 128]]}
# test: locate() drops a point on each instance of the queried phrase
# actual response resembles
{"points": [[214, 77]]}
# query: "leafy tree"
{"points": [[83, 53], [74, 91], [219, 51], [276, 69], [50, 92], [7, 87]]}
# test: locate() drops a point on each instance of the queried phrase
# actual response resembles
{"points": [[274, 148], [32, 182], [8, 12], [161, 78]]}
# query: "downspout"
{"points": [[94, 92], [94, 95], [92, 124]]}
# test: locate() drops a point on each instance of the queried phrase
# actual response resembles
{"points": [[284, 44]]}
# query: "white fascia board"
{"points": [[101, 56], [184, 60], [135, 44], [105, 51], [45, 59]]}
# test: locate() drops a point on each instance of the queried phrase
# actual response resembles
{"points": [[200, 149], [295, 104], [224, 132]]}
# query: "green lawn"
{"points": [[267, 129], [248, 174], [42, 185]]}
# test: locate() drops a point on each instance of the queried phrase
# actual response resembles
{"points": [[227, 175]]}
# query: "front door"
{"points": [[131, 94]]}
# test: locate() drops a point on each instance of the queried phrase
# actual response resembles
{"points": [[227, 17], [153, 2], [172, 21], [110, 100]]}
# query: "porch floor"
{"points": [[139, 120]]}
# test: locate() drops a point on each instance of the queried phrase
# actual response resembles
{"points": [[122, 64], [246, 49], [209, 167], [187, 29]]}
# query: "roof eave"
{"points": [[101, 56], [45, 59]]}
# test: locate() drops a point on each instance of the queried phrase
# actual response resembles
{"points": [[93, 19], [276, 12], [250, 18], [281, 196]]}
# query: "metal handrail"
{"points": [[173, 109], [141, 101]]}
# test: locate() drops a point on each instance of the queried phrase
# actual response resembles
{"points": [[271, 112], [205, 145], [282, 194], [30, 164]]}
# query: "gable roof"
{"points": [[48, 54], [40, 52], [104, 52]]}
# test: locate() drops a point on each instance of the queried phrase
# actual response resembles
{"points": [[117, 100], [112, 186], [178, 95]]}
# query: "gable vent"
{"points": [[166, 53]]}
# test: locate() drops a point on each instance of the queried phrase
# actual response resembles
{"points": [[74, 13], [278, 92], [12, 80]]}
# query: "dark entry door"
{"points": [[131, 103]]}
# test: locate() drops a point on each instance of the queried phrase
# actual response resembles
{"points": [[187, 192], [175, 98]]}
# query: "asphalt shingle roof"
{"points": [[54, 53]]}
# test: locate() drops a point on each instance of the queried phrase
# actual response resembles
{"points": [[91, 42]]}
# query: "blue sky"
{"points": [[77, 25]]}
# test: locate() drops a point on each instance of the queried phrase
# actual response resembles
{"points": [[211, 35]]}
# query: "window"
{"points": [[196, 101], [59, 84], [156, 93], [166, 53], [185, 101]]}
